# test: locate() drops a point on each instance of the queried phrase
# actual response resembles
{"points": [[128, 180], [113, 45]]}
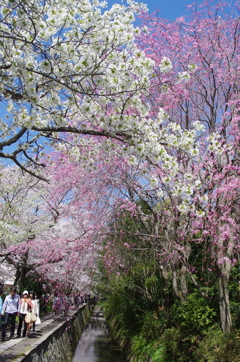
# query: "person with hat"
{"points": [[25, 307], [11, 308]]}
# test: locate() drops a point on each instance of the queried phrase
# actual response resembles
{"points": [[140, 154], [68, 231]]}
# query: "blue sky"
{"points": [[169, 9]]}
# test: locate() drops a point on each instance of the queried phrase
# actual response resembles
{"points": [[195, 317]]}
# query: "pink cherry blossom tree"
{"points": [[55, 228], [202, 50]]}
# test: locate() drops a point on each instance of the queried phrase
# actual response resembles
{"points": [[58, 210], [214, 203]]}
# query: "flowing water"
{"points": [[96, 344]]}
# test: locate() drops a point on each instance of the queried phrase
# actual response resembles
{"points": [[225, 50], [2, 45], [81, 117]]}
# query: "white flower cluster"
{"points": [[192, 68], [165, 65], [215, 144], [183, 77], [66, 60], [18, 218]]}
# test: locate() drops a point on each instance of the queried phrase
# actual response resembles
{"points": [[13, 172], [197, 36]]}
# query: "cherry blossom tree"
{"points": [[53, 229], [190, 185], [177, 205], [157, 123], [64, 66], [202, 51], [22, 217], [21, 199], [69, 68]]}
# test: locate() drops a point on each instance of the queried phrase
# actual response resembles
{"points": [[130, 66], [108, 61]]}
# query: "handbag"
{"points": [[33, 316], [28, 317]]}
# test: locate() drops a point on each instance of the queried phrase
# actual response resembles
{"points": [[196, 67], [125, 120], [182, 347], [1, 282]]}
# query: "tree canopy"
{"points": [[129, 122]]}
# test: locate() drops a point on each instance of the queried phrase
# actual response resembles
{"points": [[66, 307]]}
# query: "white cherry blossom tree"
{"points": [[64, 66]]}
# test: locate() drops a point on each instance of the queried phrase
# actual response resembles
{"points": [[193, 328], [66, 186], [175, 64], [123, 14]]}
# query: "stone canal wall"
{"points": [[121, 340], [59, 344]]}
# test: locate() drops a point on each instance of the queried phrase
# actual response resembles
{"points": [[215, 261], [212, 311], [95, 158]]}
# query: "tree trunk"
{"points": [[224, 303], [20, 278], [224, 264], [174, 283], [179, 283], [183, 283]]}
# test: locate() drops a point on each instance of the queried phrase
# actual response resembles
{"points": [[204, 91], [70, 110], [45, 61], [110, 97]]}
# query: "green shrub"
{"points": [[174, 343], [194, 316], [218, 347], [143, 351], [153, 324]]}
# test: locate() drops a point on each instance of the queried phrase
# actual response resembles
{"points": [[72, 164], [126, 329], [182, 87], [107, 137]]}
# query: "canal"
{"points": [[96, 344]]}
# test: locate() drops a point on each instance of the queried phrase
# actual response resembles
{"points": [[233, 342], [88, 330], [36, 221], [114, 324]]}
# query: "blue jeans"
{"points": [[9, 317]]}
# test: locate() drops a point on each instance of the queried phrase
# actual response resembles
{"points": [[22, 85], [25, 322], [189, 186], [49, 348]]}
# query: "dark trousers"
{"points": [[21, 321], [9, 318]]}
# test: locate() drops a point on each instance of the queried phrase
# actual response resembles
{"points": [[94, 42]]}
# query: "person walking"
{"points": [[57, 305], [11, 308], [45, 300], [1, 306], [25, 307], [35, 303]]}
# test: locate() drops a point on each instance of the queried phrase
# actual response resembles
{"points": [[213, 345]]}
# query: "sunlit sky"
{"points": [[170, 9]]}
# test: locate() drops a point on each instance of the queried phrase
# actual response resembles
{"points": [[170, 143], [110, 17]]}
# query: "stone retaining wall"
{"points": [[121, 340], [59, 344]]}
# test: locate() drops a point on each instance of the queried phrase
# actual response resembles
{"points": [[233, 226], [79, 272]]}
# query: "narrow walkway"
{"points": [[17, 348]]}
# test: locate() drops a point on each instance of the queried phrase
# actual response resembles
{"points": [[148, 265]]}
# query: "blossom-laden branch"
{"points": [[58, 57]]}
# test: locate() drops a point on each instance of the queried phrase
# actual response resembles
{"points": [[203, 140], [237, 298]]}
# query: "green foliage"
{"points": [[175, 345], [144, 311], [158, 354], [144, 351], [153, 324], [32, 284], [195, 315], [234, 292], [217, 346], [121, 302]]}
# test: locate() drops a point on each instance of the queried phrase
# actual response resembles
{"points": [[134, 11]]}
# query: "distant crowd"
{"points": [[25, 309]]}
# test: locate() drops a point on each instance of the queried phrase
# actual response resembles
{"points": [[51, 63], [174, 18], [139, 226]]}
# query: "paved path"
{"points": [[15, 349], [8, 350]]}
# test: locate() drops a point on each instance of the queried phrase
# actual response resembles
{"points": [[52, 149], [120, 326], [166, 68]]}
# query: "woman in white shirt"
{"points": [[25, 307], [1, 305], [35, 303]]}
